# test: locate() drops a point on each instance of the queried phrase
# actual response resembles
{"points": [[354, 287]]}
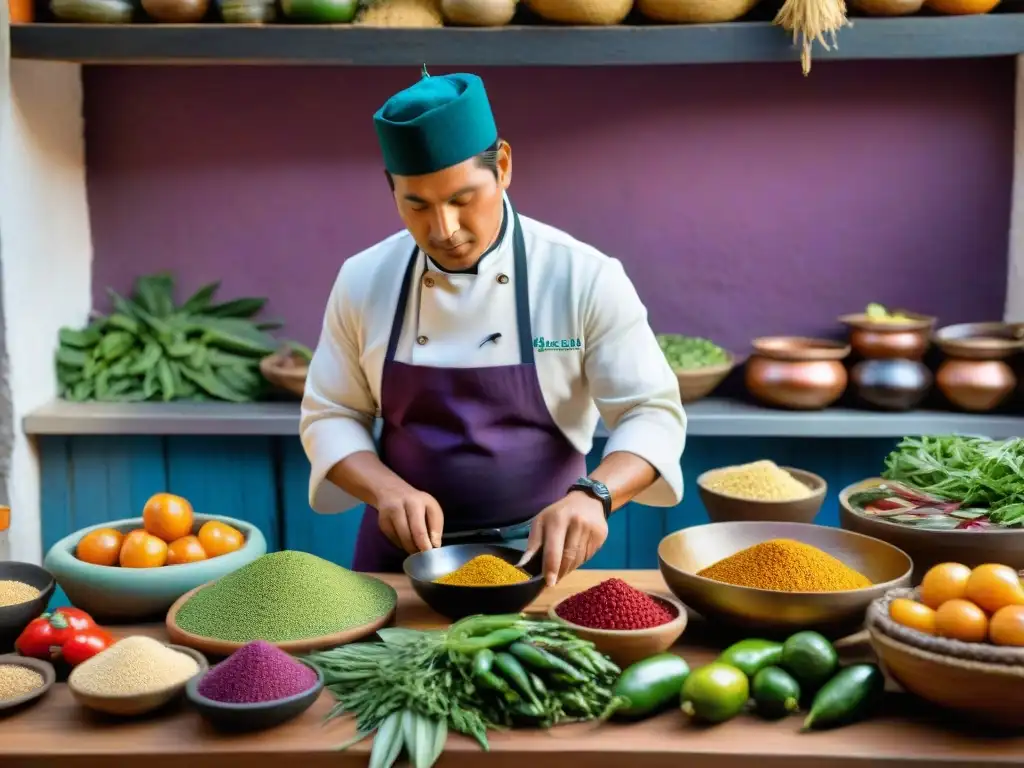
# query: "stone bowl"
{"points": [[14, 618], [112, 593], [725, 509]]}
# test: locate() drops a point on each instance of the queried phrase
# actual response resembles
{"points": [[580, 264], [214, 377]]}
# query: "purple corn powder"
{"points": [[255, 673]]}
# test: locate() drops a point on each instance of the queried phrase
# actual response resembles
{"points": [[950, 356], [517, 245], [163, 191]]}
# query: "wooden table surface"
{"points": [[57, 732]]}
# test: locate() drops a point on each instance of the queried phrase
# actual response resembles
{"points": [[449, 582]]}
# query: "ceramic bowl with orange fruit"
{"points": [[957, 640], [136, 568]]}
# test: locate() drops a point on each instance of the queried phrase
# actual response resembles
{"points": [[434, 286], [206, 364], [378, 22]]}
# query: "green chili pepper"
{"points": [[513, 671], [492, 682], [538, 684], [541, 659], [499, 638], [482, 661], [576, 702]]}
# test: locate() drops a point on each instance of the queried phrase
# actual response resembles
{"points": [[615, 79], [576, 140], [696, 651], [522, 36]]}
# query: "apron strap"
{"points": [[522, 287]]}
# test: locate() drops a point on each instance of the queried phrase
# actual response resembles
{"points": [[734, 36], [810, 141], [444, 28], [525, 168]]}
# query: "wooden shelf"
{"points": [[900, 38], [708, 418]]}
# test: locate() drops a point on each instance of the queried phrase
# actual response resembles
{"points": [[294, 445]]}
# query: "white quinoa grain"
{"points": [[16, 680], [15, 592], [133, 666]]}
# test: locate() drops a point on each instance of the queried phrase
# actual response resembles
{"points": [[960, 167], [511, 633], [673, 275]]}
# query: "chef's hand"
{"points": [[411, 520], [570, 531]]}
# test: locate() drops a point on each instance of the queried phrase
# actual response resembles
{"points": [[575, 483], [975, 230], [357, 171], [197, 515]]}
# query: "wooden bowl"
{"points": [[929, 548], [627, 646], [44, 668], [14, 618], [697, 383], [456, 602], [215, 647], [111, 593], [283, 374], [695, 11], [138, 704], [257, 716], [683, 553], [982, 681], [726, 509]]}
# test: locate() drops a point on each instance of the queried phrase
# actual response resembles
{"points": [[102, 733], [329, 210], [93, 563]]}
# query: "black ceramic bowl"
{"points": [[457, 602], [14, 618], [253, 717]]}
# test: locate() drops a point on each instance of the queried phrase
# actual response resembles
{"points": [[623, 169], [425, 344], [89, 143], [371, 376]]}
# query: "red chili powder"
{"points": [[613, 604]]}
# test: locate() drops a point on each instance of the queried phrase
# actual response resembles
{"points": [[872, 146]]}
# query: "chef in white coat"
{"points": [[489, 344]]}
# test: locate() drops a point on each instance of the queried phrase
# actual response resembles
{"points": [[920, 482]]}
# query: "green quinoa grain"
{"points": [[285, 596]]}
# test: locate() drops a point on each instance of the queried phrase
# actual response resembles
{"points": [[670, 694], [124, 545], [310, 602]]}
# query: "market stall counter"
{"points": [[58, 733]]}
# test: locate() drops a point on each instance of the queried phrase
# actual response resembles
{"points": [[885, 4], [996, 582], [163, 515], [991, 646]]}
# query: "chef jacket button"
{"points": [[428, 281], [503, 278], [421, 340]]}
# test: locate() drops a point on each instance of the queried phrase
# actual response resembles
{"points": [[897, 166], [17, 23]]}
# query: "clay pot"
{"points": [[892, 385], [874, 340], [795, 372], [974, 376]]}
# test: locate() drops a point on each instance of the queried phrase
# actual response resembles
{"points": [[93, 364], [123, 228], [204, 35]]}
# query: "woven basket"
{"points": [[283, 374], [695, 11], [598, 13], [982, 681]]}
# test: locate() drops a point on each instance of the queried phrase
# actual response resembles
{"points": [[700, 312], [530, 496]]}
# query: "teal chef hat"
{"points": [[434, 124]]}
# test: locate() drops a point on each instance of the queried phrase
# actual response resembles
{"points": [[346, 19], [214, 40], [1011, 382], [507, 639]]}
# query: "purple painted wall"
{"points": [[743, 200]]}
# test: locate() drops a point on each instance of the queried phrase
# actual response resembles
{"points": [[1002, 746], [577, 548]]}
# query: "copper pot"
{"points": [[904, 340], [796, 372], [974, 376]]}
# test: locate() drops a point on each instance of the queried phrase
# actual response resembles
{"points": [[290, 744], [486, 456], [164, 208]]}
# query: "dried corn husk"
{"points": [[478, 13], [811, 21], [695, 11], [401, 13], [600, 13]]}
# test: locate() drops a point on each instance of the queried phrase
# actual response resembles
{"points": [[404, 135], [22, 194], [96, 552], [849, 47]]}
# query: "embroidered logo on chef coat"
{"points": [[557, 345]]}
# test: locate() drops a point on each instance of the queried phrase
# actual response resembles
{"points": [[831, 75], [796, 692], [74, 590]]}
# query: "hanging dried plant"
{"points": [[812, 21]]}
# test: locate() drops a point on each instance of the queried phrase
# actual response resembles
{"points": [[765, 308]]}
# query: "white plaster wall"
{"points": [[1015, 279], [46, 252]]}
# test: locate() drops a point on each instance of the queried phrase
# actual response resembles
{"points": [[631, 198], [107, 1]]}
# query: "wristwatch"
{"points": [[598, 490]]}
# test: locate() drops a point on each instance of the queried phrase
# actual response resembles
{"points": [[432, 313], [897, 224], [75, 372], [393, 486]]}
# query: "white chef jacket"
{"points": [[595, 353]]}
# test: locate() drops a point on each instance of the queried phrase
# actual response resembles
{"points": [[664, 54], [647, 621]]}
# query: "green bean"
{"points": [[499, 638]]}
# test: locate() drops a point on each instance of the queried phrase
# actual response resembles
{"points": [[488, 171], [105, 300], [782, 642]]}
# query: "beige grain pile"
{"points": [[16, 680], [759, 481], [16, 592], [133, 666]]}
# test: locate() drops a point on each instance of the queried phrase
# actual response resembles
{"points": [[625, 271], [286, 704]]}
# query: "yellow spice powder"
{"points": [[759, 481], [785, 565], [484, 571]]}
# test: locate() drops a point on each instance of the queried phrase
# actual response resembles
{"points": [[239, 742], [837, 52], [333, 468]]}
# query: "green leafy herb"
{"points": [[688, 352]]}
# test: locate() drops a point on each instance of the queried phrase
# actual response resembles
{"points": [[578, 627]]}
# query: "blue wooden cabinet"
{"points": [[264, 479]]}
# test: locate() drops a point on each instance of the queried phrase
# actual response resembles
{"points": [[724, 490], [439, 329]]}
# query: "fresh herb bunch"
{"points": [[150, 349], [483, 673], [690, 352], [974, 471]]}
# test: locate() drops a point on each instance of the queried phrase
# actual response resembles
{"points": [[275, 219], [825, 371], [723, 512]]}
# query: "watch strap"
{"points": [[597, 490]]}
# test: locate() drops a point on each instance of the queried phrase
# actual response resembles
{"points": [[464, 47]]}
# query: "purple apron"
{"points": [[479, 440]]}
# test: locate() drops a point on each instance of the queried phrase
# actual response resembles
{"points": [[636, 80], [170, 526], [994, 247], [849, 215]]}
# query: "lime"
{"points": [[715, 693]]}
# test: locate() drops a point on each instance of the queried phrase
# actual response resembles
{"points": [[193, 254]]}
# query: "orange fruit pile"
{"points": [[984, 604], [165, 538]]}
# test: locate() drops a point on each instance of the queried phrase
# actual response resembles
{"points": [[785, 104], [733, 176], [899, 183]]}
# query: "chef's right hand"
{"points": [[411, 519]]}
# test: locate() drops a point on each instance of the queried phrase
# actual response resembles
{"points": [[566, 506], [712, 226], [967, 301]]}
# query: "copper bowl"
{"points": [[797, 372], [928, 548], [875, 340], [974, 376], [683, 553], [980, 341], [724, 509]]}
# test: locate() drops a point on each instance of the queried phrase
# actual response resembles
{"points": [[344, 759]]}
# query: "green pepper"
{"points": [[847, 697], [548, 662], [650, 685], [492, 682], [751, 656], [513, 671], [499, 638], [483, 660], [538, 684]]}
